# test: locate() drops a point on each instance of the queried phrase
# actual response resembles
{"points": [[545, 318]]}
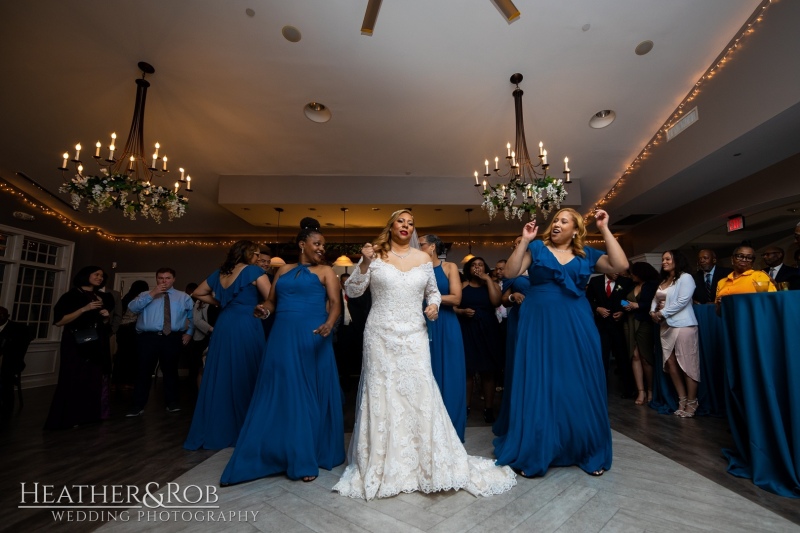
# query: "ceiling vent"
{"points": [[685, 121]]}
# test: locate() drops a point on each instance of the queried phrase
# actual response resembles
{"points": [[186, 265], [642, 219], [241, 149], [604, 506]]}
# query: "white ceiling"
{"points": [[416, 108]]}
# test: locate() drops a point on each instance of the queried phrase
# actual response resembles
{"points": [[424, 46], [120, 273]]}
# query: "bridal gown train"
{"points": [[403, 440]]}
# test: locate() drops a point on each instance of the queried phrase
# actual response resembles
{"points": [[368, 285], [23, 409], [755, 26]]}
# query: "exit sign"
{"points": [[735, 223]]}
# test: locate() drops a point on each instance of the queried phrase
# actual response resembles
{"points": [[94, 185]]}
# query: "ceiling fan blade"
{"points": [[508, 9], [370, 17]]}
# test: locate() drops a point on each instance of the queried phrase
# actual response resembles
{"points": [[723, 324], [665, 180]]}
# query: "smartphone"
{"points": [[624, 303]]}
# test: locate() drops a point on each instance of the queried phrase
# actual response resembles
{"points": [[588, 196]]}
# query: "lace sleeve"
{"points": [[357, 283], [432, 294]]}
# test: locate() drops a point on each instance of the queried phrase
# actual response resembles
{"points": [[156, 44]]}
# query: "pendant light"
{"points": [[343, 260], [469, 236], [277, 261]]}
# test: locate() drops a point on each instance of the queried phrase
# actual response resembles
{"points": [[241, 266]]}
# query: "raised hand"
{"points": [[368, 253], [530, 230], [601, 218]]}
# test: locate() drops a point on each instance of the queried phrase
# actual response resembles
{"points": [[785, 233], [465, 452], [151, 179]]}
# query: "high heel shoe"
{"points": [[488, 416], [690, 409], [682, 401]]}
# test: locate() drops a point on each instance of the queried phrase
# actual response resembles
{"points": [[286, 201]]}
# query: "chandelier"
{"points": [[524, 186], [126, 181]]}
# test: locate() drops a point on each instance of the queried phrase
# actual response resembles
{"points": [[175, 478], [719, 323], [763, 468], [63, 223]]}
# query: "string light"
{"points": [[721, 60]]}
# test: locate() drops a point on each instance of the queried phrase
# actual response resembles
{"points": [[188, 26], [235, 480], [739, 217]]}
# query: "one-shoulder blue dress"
{"points": [[234, 357], [558, 414], [447, 358], [295, 423]]}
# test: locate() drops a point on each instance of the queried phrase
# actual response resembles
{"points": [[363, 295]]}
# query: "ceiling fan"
{"points": [[506, 8]]}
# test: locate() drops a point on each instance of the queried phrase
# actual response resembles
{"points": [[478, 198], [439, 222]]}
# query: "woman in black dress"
{"points": [[81, 396], [125, 359], [480, 329]]}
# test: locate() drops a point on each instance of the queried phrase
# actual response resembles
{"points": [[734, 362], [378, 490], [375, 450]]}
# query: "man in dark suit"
{"points": [[605, 294], [708, 277], [773, 259], [14, 341]]}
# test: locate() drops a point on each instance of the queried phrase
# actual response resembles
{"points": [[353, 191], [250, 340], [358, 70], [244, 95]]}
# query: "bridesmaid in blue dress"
{"points": [[295, 423], [558, 413], [447, 345], [234, 352], [513, 295]]}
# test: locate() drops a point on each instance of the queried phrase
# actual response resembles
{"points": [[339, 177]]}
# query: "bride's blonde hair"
{"points": [[382, 242]]}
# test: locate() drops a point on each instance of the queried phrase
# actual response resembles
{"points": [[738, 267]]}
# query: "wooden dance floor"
{"points": [[667, 475], [644, 491]]}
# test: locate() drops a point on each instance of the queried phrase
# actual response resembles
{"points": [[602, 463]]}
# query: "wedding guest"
{"points": [[639, 330], [743, 278], [82, 394], [708, 276], [126, 358], [480, 296], [234, 351], [558, 410], [14, 340], [295, 423], [605, 294], [777, 270], [164, 326], [672, 310]]}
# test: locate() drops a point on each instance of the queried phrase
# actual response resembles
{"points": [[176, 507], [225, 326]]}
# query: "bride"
{"points": [[403, 440]]}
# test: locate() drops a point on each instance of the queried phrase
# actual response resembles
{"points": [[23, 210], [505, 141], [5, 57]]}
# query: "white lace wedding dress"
{"points": [[403, 440]]}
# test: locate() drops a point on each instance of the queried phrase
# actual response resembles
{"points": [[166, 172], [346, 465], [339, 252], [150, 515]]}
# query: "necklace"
{"points": [[400, 256], [565, 250]]}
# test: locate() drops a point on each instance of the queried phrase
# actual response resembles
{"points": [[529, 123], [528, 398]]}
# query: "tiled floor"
{"points": [[644, 491]]}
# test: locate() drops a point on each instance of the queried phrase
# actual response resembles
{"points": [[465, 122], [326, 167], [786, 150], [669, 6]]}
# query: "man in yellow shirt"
{"points": [[743, 278]]}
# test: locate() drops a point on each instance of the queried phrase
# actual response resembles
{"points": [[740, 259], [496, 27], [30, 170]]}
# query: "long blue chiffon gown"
{"points": [[557, 413], [519, 284], [295, 423], [447, 358], [234, 357]]}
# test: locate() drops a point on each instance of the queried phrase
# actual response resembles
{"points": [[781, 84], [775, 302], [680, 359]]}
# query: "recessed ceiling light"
{"points": [[643, 47], [603, 118], [291, 34], [586, 27], [250, 12], [317, 112]]}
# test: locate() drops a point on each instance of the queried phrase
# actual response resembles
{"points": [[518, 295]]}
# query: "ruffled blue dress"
{"points": [[557, 410], [234, 357], [295, 423], [447, 358]]}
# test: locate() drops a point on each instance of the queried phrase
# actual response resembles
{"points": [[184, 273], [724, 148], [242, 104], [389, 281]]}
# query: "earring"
{"points": [[573, 235]]}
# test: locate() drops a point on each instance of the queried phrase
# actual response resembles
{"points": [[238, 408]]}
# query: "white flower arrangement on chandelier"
{"points": [[120, 191], [542, 195]]}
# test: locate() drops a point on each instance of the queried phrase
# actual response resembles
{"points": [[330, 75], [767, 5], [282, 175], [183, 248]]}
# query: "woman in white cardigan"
{"points": [[672, 309]]}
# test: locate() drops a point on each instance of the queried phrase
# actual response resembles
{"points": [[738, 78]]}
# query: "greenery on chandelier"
{"points": [[541, 195], [120, 191]]}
